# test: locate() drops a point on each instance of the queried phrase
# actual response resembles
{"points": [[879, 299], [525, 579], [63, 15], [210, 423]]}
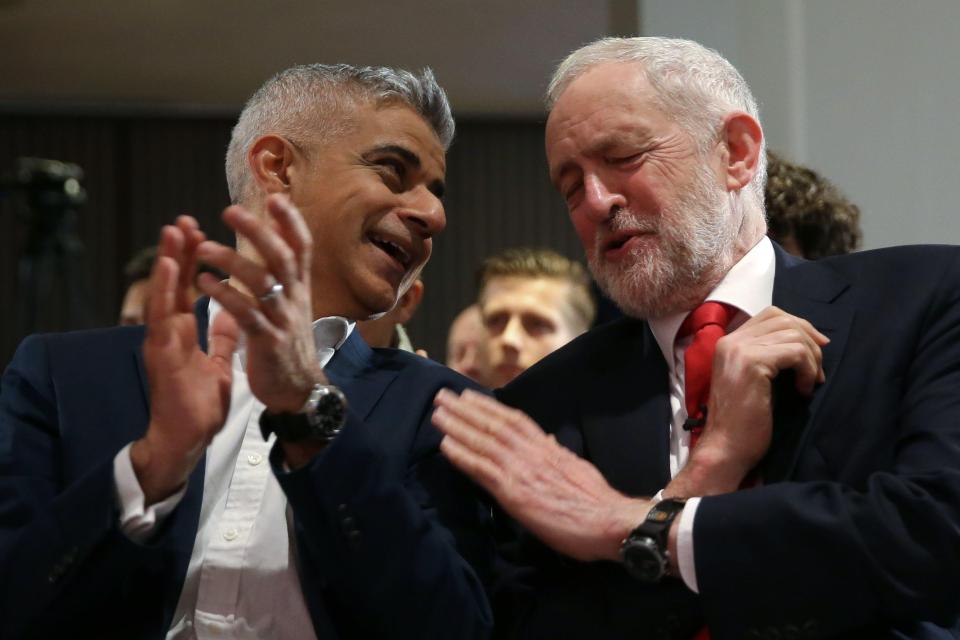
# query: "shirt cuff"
{"points": [[136, 522], [685, 544]]}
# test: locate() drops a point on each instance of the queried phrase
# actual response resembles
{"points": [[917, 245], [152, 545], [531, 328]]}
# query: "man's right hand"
{"points": [[740, 413], [189, 389]]}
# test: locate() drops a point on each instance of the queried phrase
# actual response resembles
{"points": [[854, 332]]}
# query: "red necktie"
{"points": [[707, 324]]}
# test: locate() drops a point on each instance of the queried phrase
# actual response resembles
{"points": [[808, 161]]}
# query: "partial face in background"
{"points": [[525, 318], [650, 206], [134, 307], [372, 200], [464, 341]]}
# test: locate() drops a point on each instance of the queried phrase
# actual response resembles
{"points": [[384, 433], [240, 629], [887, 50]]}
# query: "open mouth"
{"points": [[392, 249], [618, 242]]}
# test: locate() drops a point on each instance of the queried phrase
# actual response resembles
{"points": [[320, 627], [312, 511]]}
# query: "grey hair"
{"points": [[311, 103], [695, 86]]}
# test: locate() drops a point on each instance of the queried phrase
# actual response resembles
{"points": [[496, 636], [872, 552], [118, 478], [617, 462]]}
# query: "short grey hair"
{"points": [[311, 103], [695, 86]]}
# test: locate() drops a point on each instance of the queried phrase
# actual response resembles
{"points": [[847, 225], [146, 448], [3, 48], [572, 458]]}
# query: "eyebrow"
{"points": [[600, 146], [437, 187]]}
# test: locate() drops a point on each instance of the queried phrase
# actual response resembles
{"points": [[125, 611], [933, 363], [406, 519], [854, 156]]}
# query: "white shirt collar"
{"points": [[329, 334], [748, 286]]}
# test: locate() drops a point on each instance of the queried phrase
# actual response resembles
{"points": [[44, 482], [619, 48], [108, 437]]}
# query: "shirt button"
{"points": [[230, 535], [254, 459]]}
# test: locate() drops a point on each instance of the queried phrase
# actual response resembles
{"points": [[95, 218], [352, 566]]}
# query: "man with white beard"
{"points": [[767, 447]]}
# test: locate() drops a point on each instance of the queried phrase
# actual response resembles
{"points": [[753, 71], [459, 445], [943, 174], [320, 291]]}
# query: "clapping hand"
{"points": [[189, 389]]}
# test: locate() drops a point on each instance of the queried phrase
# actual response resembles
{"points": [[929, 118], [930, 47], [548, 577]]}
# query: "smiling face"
{"points": [[649, 205], [372, 200]]}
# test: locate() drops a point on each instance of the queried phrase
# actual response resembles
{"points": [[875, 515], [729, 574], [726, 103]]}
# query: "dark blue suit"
{"points": [[385, 528], [856, 530]]}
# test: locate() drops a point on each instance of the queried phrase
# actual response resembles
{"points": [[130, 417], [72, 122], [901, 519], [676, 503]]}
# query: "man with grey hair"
{"points": [[250, 468], [767, 447]]}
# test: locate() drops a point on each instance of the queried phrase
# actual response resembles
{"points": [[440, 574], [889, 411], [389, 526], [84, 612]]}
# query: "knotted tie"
{"points": [[707, 324]]}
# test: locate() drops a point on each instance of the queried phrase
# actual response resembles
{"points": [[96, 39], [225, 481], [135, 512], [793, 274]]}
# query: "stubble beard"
{"points": [[691, 249]]}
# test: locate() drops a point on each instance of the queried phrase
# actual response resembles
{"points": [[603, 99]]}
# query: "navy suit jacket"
{"points": [[386, 529], [856, 529]]}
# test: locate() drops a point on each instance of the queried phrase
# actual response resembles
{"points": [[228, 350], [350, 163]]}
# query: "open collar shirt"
{"points": [[242, 579], [748, 286]]}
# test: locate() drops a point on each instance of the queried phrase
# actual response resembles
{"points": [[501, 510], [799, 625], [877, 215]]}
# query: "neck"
{"points": [[752, 229]]}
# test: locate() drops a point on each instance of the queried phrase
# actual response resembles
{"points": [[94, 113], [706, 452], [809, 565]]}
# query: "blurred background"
{"points": [[139, 96]]}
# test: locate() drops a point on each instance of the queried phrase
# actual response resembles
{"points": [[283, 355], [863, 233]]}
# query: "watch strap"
{"points": [[650, 541]]}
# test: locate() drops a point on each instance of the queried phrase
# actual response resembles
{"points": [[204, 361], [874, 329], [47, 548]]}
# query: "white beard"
{"points": [[692, 247]]}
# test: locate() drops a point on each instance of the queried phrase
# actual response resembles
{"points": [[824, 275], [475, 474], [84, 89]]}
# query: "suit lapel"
{"points": [[809, 290], [626, 409], [360, 374]]}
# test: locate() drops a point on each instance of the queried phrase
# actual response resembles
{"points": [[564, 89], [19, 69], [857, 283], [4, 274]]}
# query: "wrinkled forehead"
{"points": [[599, 108], [627, 79]]}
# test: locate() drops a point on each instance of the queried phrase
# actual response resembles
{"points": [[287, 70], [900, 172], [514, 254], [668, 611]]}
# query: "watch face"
{"points": [[643, 559], [329, 413]]}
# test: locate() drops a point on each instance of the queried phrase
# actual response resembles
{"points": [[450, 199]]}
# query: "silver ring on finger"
{"points": [[272, 294]]}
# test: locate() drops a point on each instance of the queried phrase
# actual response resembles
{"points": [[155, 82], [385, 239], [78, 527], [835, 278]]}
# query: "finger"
{"points": [[275, 252], [223, 339], [293, 229], [161, 302], [478, 468], [188, 269], [163, 276], [240, 306], [468, 432], [773, 318], [250, 274], [801, 360], [480, 418]]}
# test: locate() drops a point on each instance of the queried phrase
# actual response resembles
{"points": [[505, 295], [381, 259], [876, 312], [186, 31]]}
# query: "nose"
{"points": [[424, 211], [601, 202], [512, 336]]}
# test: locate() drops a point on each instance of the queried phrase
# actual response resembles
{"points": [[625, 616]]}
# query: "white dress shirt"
{"points": [[242, 579], [748, 286]]}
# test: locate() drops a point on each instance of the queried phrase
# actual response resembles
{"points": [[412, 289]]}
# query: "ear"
{"points": [[408, 302], [743, 137], [270, 158]]}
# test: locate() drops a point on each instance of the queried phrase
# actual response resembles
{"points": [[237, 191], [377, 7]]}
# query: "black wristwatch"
{"points": [[320, 420], [644, 551]]}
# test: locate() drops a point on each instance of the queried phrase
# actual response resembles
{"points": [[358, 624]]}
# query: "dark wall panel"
{"points": [[499, 195], [142, 172], [138, 174]]}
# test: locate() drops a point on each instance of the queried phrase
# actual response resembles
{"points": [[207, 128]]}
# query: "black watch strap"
{"points": [[660, 517], [644, 551]]}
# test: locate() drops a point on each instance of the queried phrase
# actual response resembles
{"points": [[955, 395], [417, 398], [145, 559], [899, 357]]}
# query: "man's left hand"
{"points": [[558, 496]]}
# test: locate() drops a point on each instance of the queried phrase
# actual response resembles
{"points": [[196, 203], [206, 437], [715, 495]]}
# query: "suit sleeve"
{"points": [[62, 556], [875, 542], [397, 543]]}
